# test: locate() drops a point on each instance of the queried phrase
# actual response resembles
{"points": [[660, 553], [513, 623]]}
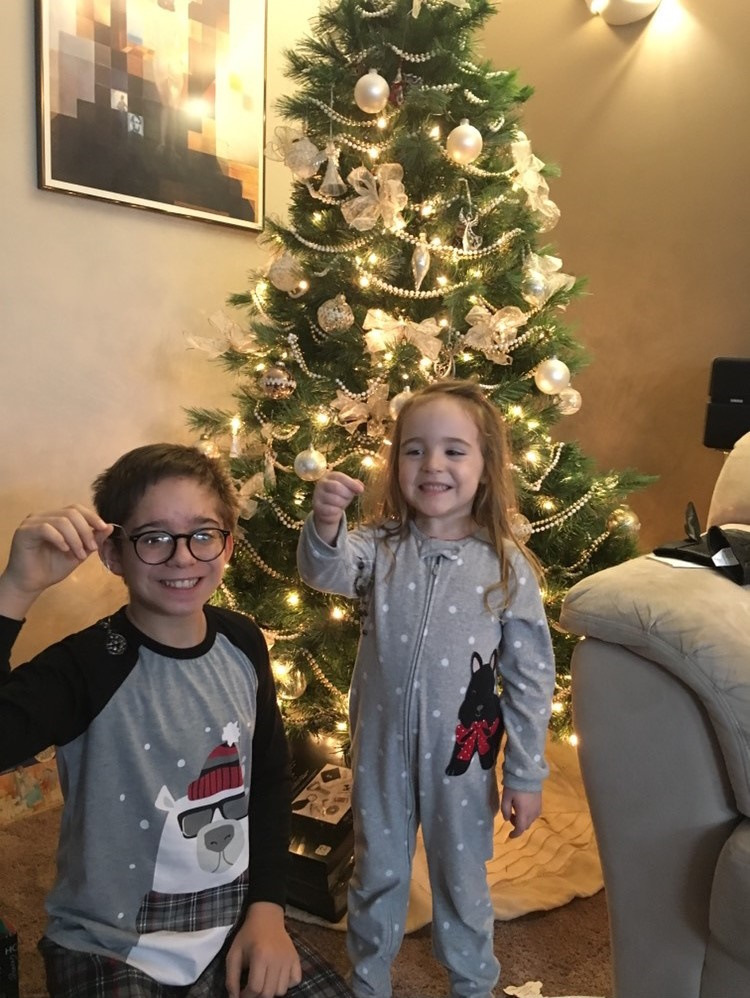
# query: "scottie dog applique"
{"points": [[479, 727]]}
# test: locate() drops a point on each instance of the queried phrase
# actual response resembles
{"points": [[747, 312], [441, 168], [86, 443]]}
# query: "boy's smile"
{"points": [[166, 600]]}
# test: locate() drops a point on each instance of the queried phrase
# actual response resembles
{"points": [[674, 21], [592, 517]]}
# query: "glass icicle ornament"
{"points": [[420, 261]]}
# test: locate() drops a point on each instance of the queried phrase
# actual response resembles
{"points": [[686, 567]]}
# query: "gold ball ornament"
{"points": [[371, 92], [552, 376], [624, 520], [521, 527], [335, 315], [276, 382], [208, 446], [310, 465], [464, 142], [568, 401]]}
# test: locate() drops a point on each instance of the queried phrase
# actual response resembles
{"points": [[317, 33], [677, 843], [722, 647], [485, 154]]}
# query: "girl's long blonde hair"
{"points": [[495, 497]]}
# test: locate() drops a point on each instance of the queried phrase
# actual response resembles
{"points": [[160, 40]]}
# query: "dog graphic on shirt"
{"points": [[479, 727]]}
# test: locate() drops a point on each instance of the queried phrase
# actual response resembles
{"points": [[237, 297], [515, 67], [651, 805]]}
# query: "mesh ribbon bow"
{"points": [[381, 194], [385, 332]]}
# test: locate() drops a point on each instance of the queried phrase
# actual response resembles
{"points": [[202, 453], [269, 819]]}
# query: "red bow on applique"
{"points": [[475, 738]]}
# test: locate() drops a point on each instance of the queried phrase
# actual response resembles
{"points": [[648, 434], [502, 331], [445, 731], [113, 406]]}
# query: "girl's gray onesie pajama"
{"points": [[424, 727]]}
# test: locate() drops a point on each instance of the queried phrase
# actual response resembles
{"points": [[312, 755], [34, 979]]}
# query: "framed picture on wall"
{"points": [[157, 104]]}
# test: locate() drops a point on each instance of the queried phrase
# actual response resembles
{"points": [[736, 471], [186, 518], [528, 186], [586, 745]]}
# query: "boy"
{"points": [[171, 750]]}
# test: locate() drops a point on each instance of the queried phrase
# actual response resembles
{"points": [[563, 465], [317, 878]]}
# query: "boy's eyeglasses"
{"points": [[154, 547]]}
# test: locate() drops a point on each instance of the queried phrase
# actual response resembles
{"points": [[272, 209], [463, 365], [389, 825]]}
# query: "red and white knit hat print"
{"points": [[222, 769]]}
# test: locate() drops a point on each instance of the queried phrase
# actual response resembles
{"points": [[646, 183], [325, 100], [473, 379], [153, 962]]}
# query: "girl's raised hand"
{"points": [[333, 493], [45, 549]]}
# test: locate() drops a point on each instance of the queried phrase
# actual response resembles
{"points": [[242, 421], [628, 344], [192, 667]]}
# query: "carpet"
{"points": [[551, 932]]}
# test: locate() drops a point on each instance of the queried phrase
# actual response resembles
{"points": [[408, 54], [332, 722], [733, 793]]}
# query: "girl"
{"points": [[450, 600]]}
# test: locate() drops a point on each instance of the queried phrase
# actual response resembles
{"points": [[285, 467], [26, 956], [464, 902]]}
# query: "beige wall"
{"points": [[648, 125], [96, 302]]}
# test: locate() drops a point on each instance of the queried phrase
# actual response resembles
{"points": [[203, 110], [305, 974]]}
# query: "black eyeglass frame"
{"points": [[134, 538]]}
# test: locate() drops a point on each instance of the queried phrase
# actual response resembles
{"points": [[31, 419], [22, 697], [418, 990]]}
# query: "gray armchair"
{"points": [[661, 705]]}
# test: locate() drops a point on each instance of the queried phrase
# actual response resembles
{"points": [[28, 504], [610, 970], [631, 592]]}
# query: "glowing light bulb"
{"points": [[532, 456], [382, 121], [426, 210], [442, 280], [337, 613], [516, 410], [434, 132], [293, 599], [373, 152], [364, 281], [372, 258], [322, 418], [368, 461]]}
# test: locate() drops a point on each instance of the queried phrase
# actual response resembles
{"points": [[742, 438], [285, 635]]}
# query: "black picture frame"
{"points": [[155, 104]]}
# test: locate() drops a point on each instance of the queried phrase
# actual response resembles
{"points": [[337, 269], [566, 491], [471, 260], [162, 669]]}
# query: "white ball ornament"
{"points": [[310, 465], [464, 143], [371, 92], [396, 403], [569, 401], [552, 376]]}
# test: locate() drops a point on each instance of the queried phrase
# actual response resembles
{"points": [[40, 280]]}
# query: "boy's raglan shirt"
{"points": [[175, 772]]}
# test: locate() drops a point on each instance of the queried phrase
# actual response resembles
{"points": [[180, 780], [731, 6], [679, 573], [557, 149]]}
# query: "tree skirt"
{"points": [[554, 862]]}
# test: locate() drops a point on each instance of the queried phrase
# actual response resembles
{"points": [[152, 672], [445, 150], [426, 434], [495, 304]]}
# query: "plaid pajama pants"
{"points": [[87, 975]]}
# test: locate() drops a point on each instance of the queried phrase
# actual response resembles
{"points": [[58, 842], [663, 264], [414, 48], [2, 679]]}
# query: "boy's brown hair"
{"points": [[117, 491]]}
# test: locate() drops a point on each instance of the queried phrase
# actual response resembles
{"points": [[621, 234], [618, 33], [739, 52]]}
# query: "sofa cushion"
{"points": [[690, 620], [730, 502]]}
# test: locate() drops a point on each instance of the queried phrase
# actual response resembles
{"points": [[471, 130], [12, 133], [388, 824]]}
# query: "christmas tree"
{"points": [[413, 251]]}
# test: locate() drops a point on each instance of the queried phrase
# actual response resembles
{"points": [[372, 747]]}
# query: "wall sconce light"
{"points": [[622, 11]]}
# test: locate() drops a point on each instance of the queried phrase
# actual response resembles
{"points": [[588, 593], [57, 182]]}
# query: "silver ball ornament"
{"points": [[291, 681], [293, 684], [285, 273], [335, 315], [464, 142], [624, 519], [552, 376], [371, 92], [534, 287], [310, 465], [569, 401]]}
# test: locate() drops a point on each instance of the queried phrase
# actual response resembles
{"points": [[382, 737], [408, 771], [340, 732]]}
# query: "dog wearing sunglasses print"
{"points": [[200, 874]]}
